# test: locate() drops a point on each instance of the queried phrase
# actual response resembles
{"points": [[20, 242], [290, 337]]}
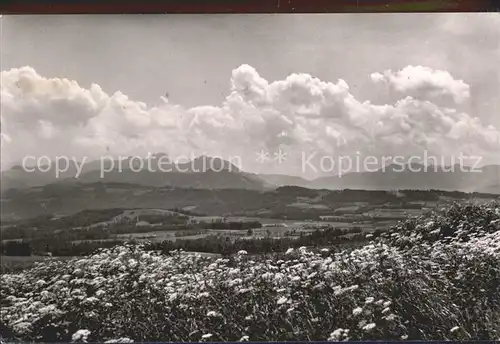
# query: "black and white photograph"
{"points": [[250, 177]]}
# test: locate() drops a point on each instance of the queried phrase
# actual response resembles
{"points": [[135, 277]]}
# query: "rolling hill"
{"points": [[61, 199]]}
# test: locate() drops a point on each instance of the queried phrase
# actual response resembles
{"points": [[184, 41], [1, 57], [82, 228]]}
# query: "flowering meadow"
{"points": [[436, 277]]}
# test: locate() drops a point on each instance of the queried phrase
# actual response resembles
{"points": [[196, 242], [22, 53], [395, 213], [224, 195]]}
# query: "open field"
{"points": [[273, 231]]}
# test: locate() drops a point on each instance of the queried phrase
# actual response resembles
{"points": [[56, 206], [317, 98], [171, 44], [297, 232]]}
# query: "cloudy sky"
{"points": [[322, 85]]}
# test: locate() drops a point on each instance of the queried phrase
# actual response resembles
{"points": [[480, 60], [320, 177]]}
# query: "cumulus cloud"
{"points": [[300, 114], [424, 82]]}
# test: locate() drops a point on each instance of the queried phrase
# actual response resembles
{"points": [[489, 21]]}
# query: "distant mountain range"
{"points": [[214, 173], [416, 176]]}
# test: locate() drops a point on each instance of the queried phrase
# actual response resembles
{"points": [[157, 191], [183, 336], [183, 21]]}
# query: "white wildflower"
{"points": [[390, 317], [282, 300], [234, 271], [120, 340], [369, 327], [80, 335], [357, 311], [132, 263], [40, 282], [48, 309], [22, 327], [336, 335], [91, 299], [312, 275]]}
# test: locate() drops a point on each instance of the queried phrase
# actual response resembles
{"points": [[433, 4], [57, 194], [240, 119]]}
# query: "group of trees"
{"points": [[209, 244], [214, 244]]}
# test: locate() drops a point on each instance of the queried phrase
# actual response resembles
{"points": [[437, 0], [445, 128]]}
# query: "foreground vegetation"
{"points": [[432, 278]]}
